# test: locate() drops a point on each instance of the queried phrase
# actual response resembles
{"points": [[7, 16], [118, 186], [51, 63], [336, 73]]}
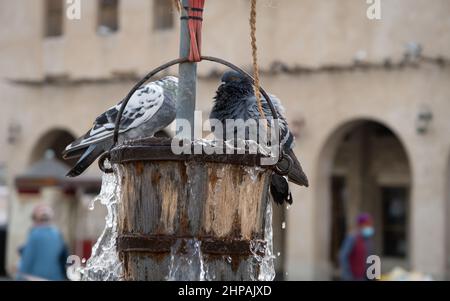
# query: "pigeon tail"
{"points": [[74, 153], [279, 189], [296, 174], [90, 155]]}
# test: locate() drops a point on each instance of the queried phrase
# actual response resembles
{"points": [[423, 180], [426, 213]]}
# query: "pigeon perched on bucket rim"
{"points": [[150, 109], [235, 99]]}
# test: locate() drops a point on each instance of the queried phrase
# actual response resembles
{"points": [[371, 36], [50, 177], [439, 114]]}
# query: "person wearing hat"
{"points": [[355, 250], [44, 255]]}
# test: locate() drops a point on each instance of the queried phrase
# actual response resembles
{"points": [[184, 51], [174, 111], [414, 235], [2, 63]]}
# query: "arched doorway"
{"points": [[56, 140], [364, 168]]}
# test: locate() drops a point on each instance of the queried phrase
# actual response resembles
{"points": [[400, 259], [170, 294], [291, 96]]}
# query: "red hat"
{"points": [[364, 219]]}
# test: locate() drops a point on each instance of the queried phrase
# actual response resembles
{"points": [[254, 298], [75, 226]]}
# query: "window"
{"points": [[338, 226], [108, 16], [53, 18], [395, 209], [163, 17]]}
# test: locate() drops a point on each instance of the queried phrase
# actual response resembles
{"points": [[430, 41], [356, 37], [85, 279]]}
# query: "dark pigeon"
{"points": [[235, 99]]}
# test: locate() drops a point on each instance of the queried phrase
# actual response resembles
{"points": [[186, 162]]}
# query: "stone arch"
{"points": [[55, 139], [326, 189]]}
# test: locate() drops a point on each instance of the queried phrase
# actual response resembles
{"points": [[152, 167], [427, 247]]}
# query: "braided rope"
{"points": [[257, 85]]}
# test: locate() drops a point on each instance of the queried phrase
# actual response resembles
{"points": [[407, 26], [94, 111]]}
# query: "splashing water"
{"points": [[188, 266], [265, 262], [267, 271], [253, 172], [104, 264]]}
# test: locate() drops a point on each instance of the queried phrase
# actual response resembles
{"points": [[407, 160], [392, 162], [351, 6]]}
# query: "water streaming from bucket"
{"points": [[105, 264]]}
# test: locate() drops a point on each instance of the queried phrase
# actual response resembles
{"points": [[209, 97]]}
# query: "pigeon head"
{"points": [[171, 79], [234, 86], [167, 81], [234, 77]]}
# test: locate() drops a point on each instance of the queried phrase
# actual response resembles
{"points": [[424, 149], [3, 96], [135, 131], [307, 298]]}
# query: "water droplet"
{"points": [[83, 260], [91, 206], [283, 225], [279, 254], [288, 207], [104, 263]]}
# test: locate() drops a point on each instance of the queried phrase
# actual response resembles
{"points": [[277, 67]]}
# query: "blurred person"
{"points": [[43, 257], [355, 249]]}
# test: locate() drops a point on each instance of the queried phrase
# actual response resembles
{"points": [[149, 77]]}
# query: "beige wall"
{"points": [[306, 33], [392, 98]]}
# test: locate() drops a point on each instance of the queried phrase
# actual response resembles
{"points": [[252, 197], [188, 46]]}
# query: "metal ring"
{"points": [[182, 61], [101, 163], [286, 171]]}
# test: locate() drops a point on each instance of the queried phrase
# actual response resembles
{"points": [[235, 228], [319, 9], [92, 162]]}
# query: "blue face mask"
{"points": [[367, 232]]}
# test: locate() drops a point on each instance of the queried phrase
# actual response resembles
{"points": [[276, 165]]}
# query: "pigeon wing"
{"points": [[287, 139], [143, 105], [296, 174]]}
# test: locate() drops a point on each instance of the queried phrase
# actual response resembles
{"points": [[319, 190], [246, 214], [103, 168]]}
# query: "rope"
{"points": [[257, 85]]}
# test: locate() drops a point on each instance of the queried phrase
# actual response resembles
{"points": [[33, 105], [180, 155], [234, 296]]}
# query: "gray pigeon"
{"points": [[235, 99], [150, 109]]}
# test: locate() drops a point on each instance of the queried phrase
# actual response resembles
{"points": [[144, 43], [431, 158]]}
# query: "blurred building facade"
{"points": [[369, 102]]}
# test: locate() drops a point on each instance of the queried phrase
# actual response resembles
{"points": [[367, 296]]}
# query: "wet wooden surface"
{"points": [[178, 201]]}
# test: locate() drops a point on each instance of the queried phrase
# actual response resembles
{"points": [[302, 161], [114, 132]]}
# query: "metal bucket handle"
{"points": [[168, 65]]}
